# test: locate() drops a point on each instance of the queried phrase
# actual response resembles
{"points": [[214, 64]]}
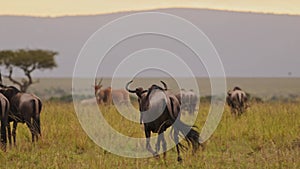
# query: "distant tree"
{"points": [[28, 61]]}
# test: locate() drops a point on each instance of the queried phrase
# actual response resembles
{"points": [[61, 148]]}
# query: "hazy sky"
{"points": [[254, 37], [86, 7]]}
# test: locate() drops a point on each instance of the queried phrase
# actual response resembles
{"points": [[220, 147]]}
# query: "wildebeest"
{"points": [[4, 109], [237, 100], [188, 100], [24, 108], [108, 95], [160, 110]]}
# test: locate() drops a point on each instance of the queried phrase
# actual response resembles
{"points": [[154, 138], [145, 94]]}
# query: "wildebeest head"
{"points": [[9, 91], [152, 102], [143, 95]]}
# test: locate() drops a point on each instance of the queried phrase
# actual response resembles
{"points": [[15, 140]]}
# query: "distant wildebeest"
{"points": [[160, 110], [24, 108], [188, 100], [237, 100], [4, 109], [108, 95]]}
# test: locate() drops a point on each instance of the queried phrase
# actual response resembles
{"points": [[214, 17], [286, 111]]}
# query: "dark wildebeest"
{"points": [[160, 110], [237, 100], [24, 108], [108, 95], [4, 109], [188, 100]]}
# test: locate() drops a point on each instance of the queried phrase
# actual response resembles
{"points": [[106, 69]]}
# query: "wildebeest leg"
{"points": [[15, 124], [193, 109], [36, 128], [161, 138], [9, 133], [30, 126], [3, 135], [157, 145], [148, 146], [242, 109], [232, 110], [176, 139], [237, 112], [164, 145]]}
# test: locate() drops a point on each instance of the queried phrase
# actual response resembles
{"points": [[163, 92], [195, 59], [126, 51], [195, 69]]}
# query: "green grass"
{"points": [[267, 136]]}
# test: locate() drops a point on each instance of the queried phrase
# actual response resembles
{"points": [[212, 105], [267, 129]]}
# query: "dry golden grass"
{"points": [[267, 136]]}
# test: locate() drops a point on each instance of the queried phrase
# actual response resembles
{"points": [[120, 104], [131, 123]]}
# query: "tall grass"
{"points": [[266, 136]]}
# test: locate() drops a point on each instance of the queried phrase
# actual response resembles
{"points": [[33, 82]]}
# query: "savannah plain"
{"points": [[266, 136]]}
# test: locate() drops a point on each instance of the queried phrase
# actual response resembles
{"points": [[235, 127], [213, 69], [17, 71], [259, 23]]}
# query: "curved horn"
{"points": [[100, 81], [165, 85], [144, 91], [131, 91]]}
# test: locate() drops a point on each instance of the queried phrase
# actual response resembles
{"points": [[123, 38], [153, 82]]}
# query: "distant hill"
{"points": [[249, 44]]}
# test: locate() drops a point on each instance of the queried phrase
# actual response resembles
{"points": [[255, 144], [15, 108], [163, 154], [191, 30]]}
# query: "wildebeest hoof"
{"points": [[179, 159], [165, 155], [155, 155]]}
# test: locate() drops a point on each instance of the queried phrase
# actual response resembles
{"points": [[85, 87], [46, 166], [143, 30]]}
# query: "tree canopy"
{"points": [[27, 61]]}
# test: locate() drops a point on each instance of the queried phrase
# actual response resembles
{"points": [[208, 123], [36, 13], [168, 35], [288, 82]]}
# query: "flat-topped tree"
{"points": [[28, 61]]}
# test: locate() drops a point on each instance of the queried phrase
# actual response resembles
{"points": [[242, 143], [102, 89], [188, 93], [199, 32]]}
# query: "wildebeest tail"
{"points": [[7, 108], [190, 134], [36, 118]]}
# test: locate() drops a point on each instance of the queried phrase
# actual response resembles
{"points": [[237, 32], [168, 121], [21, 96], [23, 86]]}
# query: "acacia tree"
{"points": [[27, 61]]}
